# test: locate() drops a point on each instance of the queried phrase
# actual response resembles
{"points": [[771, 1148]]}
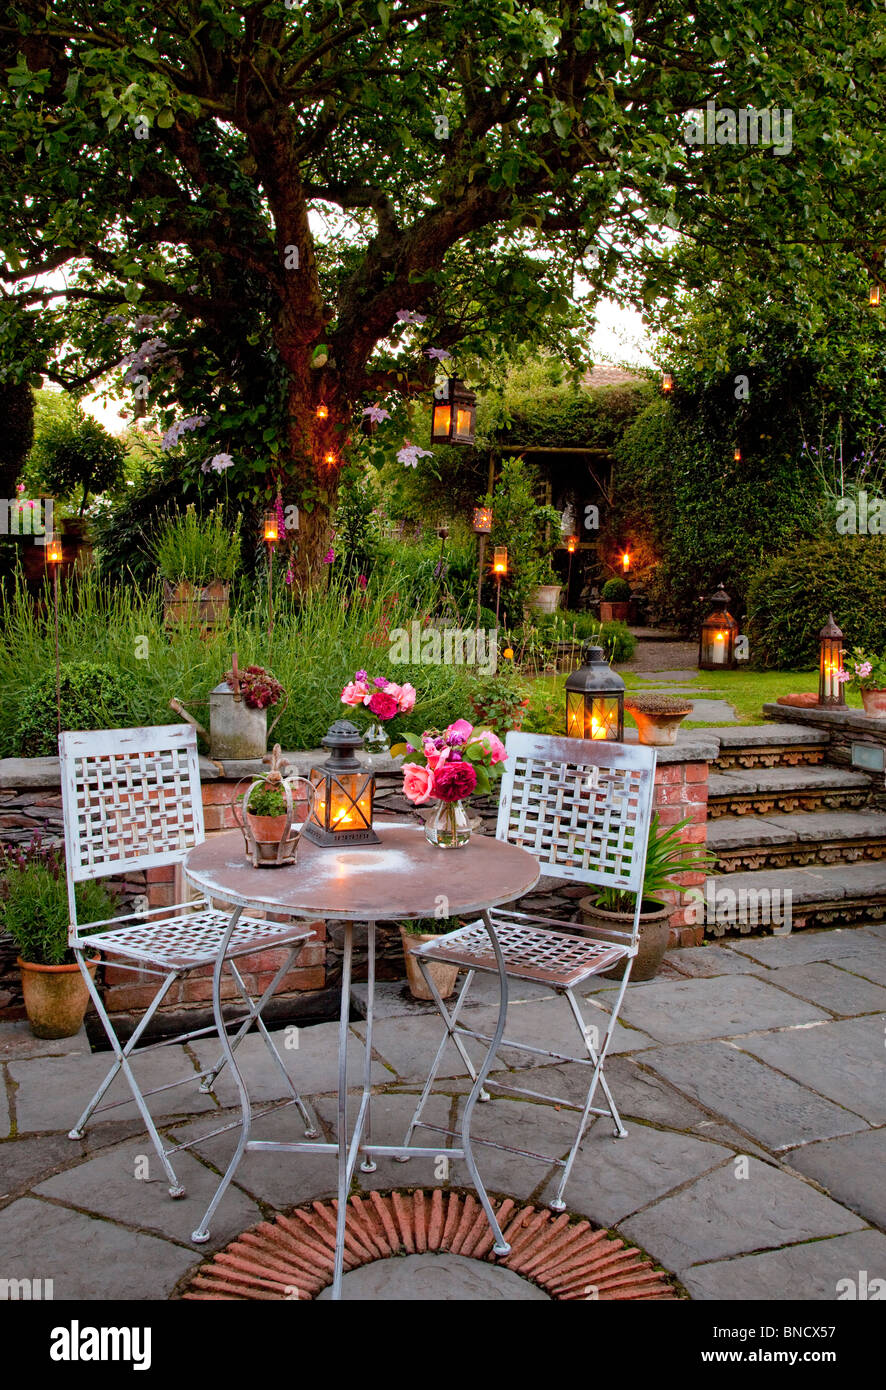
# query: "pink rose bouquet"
{"points": [[451, 765], [381, 697]]}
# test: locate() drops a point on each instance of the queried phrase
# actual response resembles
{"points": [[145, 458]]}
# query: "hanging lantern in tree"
{"points": [[271, 530], [595, 699], [322, 411], [344, 792], [830, 665], [626, 562], [716, 648], [482, 522], [667, 383], [454, 413]]}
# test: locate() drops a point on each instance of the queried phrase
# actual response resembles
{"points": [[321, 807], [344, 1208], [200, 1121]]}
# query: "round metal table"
{"points": [[402, 877]]}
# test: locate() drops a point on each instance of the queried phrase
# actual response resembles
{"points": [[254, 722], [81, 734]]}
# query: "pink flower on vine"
{"points": [[439, 354], [377, 414], [411, 453]]}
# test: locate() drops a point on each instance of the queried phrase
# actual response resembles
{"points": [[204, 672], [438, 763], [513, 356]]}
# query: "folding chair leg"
{"points": [[122, 1064], [450, 1021]]}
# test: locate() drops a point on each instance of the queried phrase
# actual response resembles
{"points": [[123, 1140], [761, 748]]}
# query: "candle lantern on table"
{"points": [[344, 792], [716, 648], [830, 665], [595, 699]]}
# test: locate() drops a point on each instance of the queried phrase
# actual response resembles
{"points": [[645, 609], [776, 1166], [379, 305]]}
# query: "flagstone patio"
{"points": [[750, 1075]]}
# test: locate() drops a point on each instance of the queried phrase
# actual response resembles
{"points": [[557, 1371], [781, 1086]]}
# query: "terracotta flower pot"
{"points": [[55, 997], [654, 934], [615, 612], [444, 976], [874, 702], [268, 830], [657, 728]]}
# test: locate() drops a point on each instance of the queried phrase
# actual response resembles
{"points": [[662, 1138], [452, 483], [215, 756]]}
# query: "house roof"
{"points": [[604, 375]]}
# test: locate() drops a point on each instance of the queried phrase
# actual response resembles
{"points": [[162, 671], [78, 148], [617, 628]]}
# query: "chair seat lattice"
{"points": [[530, 953], [193, 938]]}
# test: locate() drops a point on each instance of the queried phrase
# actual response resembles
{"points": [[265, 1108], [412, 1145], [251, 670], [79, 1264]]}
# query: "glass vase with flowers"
{"points": [[447, 768]]}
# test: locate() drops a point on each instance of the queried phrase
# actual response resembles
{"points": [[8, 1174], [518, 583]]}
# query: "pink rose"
{"points": [[459, 732], [355, 693], [436, 756], [455, 781], [383, 705], [493, 745], [418, 783], [405, 697]]}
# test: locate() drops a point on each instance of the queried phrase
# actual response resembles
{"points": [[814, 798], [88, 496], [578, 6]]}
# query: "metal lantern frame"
{"points": [[345, 780], [595, 699], [719, 630], [831, 691], [273, 854], [454, 413], [481, 522]]}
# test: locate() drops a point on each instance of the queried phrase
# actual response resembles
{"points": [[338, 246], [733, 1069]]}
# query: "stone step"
{"points": [[770, 745], [838, 894], [798, 839], [765, 791]]}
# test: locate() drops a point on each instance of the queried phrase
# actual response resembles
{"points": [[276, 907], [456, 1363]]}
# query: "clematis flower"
{"points": [[410, 316], [377, 413], [439, 354], [411, 453], [218, 463], [175, 432]]}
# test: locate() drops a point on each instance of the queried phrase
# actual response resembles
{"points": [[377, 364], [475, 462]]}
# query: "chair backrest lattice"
{"points": [[582, 808], [131, 799]]}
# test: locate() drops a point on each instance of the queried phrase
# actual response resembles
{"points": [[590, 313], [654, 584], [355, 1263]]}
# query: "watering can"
{"points": [[236, 732]]}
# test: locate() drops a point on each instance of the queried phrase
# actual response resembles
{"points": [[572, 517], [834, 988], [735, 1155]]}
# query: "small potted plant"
{"points": [[416, 933], [615, 600], [658, 717], [545, 597], [868, 674], [197, 557], [610, 910], [34, 910], [274, 809]]}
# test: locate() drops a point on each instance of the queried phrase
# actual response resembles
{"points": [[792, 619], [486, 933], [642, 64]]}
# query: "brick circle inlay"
{"points": [[291, 1257]]}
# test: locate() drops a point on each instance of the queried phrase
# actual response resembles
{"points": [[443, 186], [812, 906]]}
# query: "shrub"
{"points": [[92, 697], [618, 641], [78, 455], [197, 548], [34, 903], [616, 590], [790, 598]]}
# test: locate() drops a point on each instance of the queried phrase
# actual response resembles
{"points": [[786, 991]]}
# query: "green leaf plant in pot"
{"points": [[615, 600], [34, 911], [414, 934], [610, 911]]}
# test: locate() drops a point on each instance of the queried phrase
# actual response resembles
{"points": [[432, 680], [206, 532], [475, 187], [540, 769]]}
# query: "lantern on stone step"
{"points": [[344, 792], [455, 409], [595, 699], [716, 648], [830, 665]]}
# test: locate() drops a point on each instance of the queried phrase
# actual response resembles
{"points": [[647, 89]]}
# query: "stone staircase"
{"points": [[782, 822]]}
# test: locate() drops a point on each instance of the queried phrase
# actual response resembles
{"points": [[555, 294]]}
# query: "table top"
{"points": [[404, 876]]}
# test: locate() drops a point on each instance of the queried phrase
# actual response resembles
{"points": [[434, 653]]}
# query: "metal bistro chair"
{"points": [[132, 800], [583, 809]]}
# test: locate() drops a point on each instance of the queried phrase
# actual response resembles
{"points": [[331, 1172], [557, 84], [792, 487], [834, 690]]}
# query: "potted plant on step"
{"points": [[658, 717], [868, 674], [615, 600], [197, 557], [610, 912], [34, 910], [416, 933]]}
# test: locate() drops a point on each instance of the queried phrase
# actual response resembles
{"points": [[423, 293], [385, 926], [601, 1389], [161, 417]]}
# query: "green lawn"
{"points": [[746, 691]]}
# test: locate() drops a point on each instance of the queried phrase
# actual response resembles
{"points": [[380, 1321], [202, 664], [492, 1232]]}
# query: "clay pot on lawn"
{"points": [[55, 997], [874, 702], [654, 934], [444, 976]]}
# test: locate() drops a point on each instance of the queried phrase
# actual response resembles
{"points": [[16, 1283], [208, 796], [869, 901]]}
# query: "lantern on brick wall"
{"points": [[595, 699], [716, 648], [830, 665], [454, 413], [344, 792]]}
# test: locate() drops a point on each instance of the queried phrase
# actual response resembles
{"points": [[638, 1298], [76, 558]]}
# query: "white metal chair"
{"points": [[131, 801], [583, 809]]}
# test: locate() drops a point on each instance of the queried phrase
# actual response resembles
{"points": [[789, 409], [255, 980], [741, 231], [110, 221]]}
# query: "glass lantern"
{"points": [[571, 544], [874, 299], [595, 699], [667, 383], [53, 551], [830, 665], [344, 792], [716, 647], [271, 532], [454, 413], [500, 560], [482, 521]]}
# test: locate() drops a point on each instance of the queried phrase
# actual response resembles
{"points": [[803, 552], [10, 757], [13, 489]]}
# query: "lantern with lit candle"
{"points": [[271, 530], [716, 648], [454, 414], [572, 544], [874, 300], [322, 411], [329, 459], [53, 551], [830, 665], [595, 699], [482, 522], [500, 560], [736, 454], [667, 383], [626, 561], [344, 792]]}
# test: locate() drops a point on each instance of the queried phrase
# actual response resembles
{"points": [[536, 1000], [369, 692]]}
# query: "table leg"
{"points": [[368, 1165], [501, 1246], [344, 1020]]}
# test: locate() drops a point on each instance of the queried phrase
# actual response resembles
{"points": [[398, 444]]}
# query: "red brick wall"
{"points": [[681, 793]]}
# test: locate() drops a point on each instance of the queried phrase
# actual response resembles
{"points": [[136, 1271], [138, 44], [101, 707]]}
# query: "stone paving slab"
{"points": [[830, 987], [17, 1042], [740, 832], [844, 1061], [108, 1185], [799, 948], [313, 1065], [816, 885], [730, 1005], [755, 781], [435, 1278], [767, 735], [703, 962], [851, 1169], [87, 1258], [614, 1177], [773, 1109], [393, 1000], [810, 826], [24, 1162], [53, 1091], [723, 1214], [809, 1273], [5, 1117]]}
